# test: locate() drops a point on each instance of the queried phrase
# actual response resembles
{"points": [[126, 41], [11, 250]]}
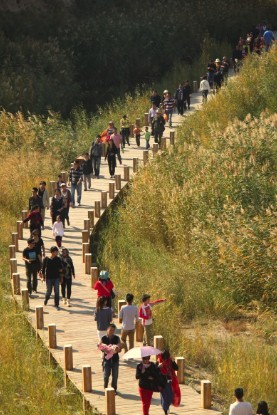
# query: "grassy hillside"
{"points": [[198, 226]]}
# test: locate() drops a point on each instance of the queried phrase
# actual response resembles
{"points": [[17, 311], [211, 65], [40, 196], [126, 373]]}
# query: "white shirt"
{"points": [[58, 229], [129, 316], [204, 85], [241, 408]]}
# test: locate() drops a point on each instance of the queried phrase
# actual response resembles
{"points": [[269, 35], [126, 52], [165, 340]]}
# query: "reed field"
{"points": [[198, 226]]}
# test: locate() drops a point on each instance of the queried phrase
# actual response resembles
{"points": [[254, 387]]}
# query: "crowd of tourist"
{"points": [[58, 268]]}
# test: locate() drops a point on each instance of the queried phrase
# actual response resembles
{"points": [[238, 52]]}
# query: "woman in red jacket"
{"points": [[104, 287]]}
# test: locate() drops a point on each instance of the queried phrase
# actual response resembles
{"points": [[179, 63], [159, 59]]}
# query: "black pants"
{"points": [[138, 139], [157, 137], [187, 103], [180, 107], [112, 164], [32, 276], [125, 132], [96, 165], [66, 286]]}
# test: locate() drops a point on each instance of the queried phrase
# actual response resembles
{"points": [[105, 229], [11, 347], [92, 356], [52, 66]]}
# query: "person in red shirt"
{"points": [[145, 313], [104, 287], [35, 219]]}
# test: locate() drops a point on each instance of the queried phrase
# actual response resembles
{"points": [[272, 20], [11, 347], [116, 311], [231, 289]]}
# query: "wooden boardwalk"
{"points": [[76, 326]]}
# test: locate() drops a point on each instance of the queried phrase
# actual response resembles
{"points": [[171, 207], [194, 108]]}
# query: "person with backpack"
{"points": [[179, 97], [68, 273], [158, 127]]}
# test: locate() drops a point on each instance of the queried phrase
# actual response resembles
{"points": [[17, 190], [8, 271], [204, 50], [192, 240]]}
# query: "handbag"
{"points": [[110, 292]]}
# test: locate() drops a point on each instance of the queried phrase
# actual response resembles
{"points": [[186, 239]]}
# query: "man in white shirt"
{"points": [[240, 407], [128, 316]]}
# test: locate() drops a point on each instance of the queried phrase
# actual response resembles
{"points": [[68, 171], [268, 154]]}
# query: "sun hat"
{"points": [[217, 60], [104, 275]]}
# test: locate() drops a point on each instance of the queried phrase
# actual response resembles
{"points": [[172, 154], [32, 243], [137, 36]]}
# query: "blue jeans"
{"points": [[169, 114], [74, 187], [108, 367], [50, 283]]}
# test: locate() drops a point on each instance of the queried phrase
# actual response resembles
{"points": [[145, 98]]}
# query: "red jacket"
{"points": [[103, 290]]}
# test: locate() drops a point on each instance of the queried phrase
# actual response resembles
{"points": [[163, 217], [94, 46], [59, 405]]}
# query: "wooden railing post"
{"points": [[13, 266], [139, 331], [146, 122], [52, 185], [163, 143], [85, 247], [97, 209], [135, 164], [68, 357], [39, 318], [91, 217], [118, 181], [159, 342], [19, 229], [138, 122], [195, 86], [25, 299], [120, 303], [88, 263], [145, 157], [87, 225], [64, 175], [12, 251], [110, 401], [85, 236], [155, 148], [111, 190], [24, 216], [15, 241], [16, 283], [181, 369], [86, 375], [93, 276], [206, 394], [172, 137], [126, 173], [52, 336], [104, 199]]}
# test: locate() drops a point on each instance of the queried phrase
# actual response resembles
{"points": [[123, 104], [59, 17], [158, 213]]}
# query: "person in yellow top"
{"points": [[125, 130]]}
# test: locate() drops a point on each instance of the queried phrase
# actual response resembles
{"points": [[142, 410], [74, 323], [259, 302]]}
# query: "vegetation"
{"points": [[58, 56], [198, 227]]}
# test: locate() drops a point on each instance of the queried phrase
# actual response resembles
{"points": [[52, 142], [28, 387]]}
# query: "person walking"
{"points": [[44, 195], [204, 88], [103, 316], [117, 139], [147, 375], [151, 114], [125, 130], [240, 407], [179, 98], [128, 316], [262, 408], [58, 231], [32, 259], [95, 155], [57, 206], [168, 105], [39, 244], [111, 156], [87, 171], [104, 287], [145, 313], [187, 94], [75, 179], [111, 364], [171, 393], [35, 219], [68, 273], [35, 200], [155, 98], [66, 195], [158, 126], [51, 272]]}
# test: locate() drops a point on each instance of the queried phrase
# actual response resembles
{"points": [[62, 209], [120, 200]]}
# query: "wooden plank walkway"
{"points": [[76, 326]]}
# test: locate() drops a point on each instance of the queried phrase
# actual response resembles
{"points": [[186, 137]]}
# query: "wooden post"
{"points": [[145, 157], [118, 181], [120, 303], [97, 209], [85, 250], [104, 149], [110, 401], [85, 236], [138, 122], [25, 299], [111, 190], [64, 175], [132, 130], [104, 199], [91, 217], [15, 241], [135, 164], [172, 137], [52, 336], [206, 394], [146, 122], [93, 275], [126, 173], [52, 185], [87, 225], [68, 357], [195, 86], [16, 283], [155, 148], [88, 263], [19, 229], [12, 251], [163, 143], [24, 216], [39, 318], [86, 374], [13, 266], [159, 342], [181, 369], [139, 331]]}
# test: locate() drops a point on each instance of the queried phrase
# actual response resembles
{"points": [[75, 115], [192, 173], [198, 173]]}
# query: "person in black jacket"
{"points": [[87, 171], [147, 374], [187, 93], [111, 156], [51, 272]]}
